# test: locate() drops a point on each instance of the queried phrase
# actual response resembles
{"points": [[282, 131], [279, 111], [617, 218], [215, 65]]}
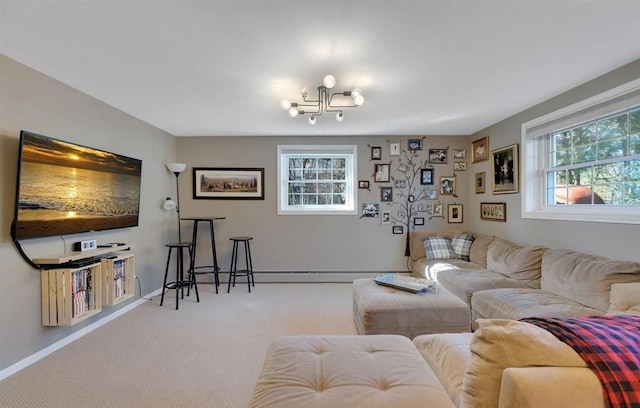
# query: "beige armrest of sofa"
{"points": [[550, 387]]}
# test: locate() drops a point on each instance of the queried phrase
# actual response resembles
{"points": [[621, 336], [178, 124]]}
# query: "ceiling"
{"points": [[221, 67]]}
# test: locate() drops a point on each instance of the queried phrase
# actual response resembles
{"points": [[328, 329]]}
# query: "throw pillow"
{"points": [[438, 248], [462, 246]]}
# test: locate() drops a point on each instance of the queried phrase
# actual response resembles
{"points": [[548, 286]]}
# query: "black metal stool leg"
{"points": [[232, 268], [246, 264], [192, 273], [250, 267], [166, 272]]}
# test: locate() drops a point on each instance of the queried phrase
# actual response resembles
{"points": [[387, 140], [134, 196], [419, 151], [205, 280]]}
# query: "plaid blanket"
{"points": [[610, 345]]}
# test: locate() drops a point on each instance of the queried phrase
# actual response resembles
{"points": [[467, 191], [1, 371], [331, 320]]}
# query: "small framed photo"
{"points": [[460, 166], [415, 144], [418, 221], [386, 194], [438, 210], [426, 177], [421, 207], [431, 194], [459, 153], [504, 165], [386, 217], [370, 210], [438, 156], [400, 183], [363, 184], [394, 149], [448, 185], [376, 153], [480, 150], [493, 211], [479, 182], [398, 229], [454, 213], [382, 173]]}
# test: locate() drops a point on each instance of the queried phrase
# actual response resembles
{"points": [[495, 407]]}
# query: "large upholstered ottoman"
{"points": [[384, 310], [347, 371]]}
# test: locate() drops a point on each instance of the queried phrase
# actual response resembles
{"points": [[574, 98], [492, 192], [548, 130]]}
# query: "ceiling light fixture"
{"points": [[324, 103]]}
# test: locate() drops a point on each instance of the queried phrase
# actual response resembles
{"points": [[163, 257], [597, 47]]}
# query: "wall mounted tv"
{"points": [[65, 188]]}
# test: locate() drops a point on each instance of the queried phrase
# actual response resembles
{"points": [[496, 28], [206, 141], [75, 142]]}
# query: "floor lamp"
{"points": [[177, 168]]}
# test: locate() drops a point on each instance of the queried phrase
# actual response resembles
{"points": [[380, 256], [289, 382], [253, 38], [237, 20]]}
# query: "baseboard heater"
{"points": [[303, 276]]}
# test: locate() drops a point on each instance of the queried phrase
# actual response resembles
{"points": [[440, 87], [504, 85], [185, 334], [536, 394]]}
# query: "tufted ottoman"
{"points": [[347, 371], [383, 310]]}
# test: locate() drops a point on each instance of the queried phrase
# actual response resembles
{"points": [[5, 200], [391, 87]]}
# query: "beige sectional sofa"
{"points": [[507, 280], [504, 364]]}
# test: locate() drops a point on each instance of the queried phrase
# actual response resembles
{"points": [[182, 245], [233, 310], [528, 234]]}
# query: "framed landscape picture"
{"points": [[504, 167], [480, 150], [228, 183]]}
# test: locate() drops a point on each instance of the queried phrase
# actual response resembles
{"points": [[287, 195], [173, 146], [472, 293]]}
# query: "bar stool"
{"points": [[179, 284], [233, 271]]}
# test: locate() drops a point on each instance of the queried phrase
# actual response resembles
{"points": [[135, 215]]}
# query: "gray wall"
{"points": [[32, 101], [619, 241], [308, 243]]}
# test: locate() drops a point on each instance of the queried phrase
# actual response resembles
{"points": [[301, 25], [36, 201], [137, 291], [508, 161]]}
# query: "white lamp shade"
{"points": [[293, 112], [339, 116], [312, 120], [169, 204], [286, 104], [176, 167]]}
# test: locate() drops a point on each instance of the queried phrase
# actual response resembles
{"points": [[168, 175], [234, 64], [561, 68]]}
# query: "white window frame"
{"points": [[350, 152], [535, 152]]}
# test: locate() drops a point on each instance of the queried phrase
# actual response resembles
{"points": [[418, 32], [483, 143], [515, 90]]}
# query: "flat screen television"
{"points": [[66, 188]]}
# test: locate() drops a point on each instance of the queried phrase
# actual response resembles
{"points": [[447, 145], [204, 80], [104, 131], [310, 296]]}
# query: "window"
{"points": [[317, 180], [583, 162]]}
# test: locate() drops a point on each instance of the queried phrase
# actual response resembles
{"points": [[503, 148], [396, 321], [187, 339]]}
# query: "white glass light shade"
{"points": [[176, 167], [169, 204], [340, 116], [329, 81], [286, 104], [293, 112], [304, 92], [356, 92], [312, 120], [358, 100]]}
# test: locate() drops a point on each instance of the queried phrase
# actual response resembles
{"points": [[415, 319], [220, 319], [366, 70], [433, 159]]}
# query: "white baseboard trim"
{"points": [[71, 338]]}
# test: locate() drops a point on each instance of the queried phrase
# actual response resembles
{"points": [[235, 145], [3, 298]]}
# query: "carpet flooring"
{"points": [[206, 354]]}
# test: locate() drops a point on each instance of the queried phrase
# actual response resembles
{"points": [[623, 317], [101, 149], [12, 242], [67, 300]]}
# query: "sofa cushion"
{"points": [[461, 244], [346, 371], [447, 356], [517, 304], [463, 283], [416, 246], [423, 268], [438, 248], [515, 261], [584, 278], [500, 344], [479, 248], [625, 298]]}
